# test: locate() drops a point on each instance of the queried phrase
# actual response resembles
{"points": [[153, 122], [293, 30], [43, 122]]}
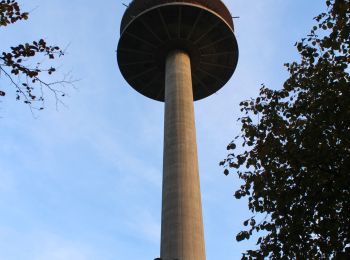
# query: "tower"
{"points": [[178, 51]]}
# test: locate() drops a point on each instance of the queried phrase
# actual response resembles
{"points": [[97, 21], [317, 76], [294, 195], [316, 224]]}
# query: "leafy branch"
{"points": [[10, 12], [295, 159], [30, 81]]}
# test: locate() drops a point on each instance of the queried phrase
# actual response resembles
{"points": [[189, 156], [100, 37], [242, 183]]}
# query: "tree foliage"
{"points": [[296, 150], [10, 12], [29, 81]]}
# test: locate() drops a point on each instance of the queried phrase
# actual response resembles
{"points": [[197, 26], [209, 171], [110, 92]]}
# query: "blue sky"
{"points": [[84, 182]]}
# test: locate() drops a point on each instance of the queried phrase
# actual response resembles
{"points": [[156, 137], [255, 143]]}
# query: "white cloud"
{"points": [[7, 182], [54, 248], [40, 245], [143, 224]]}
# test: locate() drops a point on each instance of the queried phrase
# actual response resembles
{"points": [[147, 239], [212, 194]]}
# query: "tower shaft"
{"points": [[182, 235]]}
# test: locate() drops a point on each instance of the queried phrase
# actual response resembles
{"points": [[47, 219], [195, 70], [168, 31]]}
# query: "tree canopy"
{"points": [[23, 64], [296, 150]]}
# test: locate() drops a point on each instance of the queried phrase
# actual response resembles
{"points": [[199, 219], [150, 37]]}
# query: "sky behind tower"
{"points": [[84, 182]]}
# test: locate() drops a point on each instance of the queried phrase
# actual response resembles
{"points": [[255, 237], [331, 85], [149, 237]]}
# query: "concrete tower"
{"points": [[178, 51]]}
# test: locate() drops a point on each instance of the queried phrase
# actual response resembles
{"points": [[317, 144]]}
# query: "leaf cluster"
{"points": [[15, 61], [10, 12], [296, 159], [17, 65]]}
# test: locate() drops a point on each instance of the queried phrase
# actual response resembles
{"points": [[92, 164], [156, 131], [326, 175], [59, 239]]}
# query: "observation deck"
{"points": [[151, 29]]}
